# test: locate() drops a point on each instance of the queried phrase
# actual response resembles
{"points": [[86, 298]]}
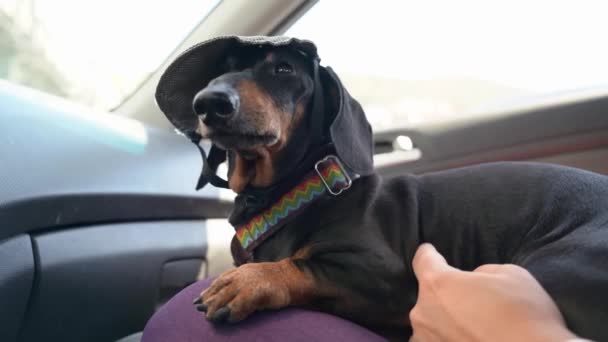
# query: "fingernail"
{"points": [[197, 300]]}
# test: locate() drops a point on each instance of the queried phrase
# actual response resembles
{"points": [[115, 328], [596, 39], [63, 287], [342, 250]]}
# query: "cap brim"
{"points": [[196, 67]]}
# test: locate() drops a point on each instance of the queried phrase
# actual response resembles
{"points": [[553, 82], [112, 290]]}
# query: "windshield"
{"points": [[416, 62], [93, 52]]}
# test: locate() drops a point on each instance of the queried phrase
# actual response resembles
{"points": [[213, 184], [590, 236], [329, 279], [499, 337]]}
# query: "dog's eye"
{"points": [[283, 68]]}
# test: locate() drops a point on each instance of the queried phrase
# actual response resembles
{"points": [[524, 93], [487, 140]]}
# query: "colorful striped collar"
{"points": [[329, 177]]}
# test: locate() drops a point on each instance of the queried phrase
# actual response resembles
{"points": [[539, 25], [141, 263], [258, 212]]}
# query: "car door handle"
{"points": [[403, 151]]}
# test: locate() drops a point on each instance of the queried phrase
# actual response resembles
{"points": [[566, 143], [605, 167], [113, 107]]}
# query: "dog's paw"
{"points": [[238, 293]]}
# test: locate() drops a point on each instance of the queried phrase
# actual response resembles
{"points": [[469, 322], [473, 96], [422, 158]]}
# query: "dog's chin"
{"points": [[252, 162]]}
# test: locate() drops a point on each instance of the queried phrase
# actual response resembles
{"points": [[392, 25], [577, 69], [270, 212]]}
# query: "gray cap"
{"points": [[196, 67]]}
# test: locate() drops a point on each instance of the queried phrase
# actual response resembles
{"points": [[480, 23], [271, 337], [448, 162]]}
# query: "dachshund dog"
{"points": [[350, 254]]}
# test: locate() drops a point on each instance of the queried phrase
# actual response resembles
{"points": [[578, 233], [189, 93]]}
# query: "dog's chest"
{"points": [[370, 215], [289, 238]]}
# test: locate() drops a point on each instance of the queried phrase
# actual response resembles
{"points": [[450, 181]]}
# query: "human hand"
{"points": [[492, 303]]}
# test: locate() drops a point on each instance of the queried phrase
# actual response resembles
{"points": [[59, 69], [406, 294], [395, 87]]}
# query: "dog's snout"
{"points": [[216, 103]]}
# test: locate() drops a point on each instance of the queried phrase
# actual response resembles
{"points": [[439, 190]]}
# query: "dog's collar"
{"points": [[328, 178]]}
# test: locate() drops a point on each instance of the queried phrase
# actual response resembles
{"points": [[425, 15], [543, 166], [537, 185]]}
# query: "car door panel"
{"points": [[570, 133], [593, 160], [101, 283]]}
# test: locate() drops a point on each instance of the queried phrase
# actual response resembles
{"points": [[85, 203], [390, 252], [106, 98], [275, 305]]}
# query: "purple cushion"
{"points": [[178, 320]]}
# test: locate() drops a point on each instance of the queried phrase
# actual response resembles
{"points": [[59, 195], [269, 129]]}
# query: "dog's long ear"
{"points": [[349, 129]]}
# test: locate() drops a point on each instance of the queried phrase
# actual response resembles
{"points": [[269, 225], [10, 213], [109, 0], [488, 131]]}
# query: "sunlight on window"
{"points": [[94, 52], [412, 62]]}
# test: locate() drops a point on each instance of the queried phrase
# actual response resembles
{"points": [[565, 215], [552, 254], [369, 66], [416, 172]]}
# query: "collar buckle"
{"points": [[333, 174]]}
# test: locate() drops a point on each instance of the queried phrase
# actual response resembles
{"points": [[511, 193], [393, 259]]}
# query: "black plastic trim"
{"points": [[16, 279], [68, 210], [292, 18]]}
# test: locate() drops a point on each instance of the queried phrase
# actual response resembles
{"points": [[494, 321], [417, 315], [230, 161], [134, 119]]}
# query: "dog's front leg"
{"points": [[267, 285]]}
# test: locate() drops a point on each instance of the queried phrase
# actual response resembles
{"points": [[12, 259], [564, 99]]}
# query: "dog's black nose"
{"points": [[215, 103]]}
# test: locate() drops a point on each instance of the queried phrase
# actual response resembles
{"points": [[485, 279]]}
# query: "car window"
{"points": [[95, 52], [415, 62]]}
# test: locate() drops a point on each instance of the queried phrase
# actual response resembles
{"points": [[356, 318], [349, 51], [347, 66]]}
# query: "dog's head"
{"points": [[253, 98], [254, 110]]}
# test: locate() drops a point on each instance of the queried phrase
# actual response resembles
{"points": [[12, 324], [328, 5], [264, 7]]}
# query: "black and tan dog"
{"points": [[346, 248]]}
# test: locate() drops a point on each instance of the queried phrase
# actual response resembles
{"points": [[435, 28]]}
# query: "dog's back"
{"points": [[551, 220], [508, 209]]}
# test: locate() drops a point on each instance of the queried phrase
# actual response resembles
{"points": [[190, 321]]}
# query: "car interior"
{"points": [[100, 223]]}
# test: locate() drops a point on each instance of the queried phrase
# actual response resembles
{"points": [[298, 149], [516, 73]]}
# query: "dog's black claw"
{"points": [[221, 315], [201, 308], [197, 300]]}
